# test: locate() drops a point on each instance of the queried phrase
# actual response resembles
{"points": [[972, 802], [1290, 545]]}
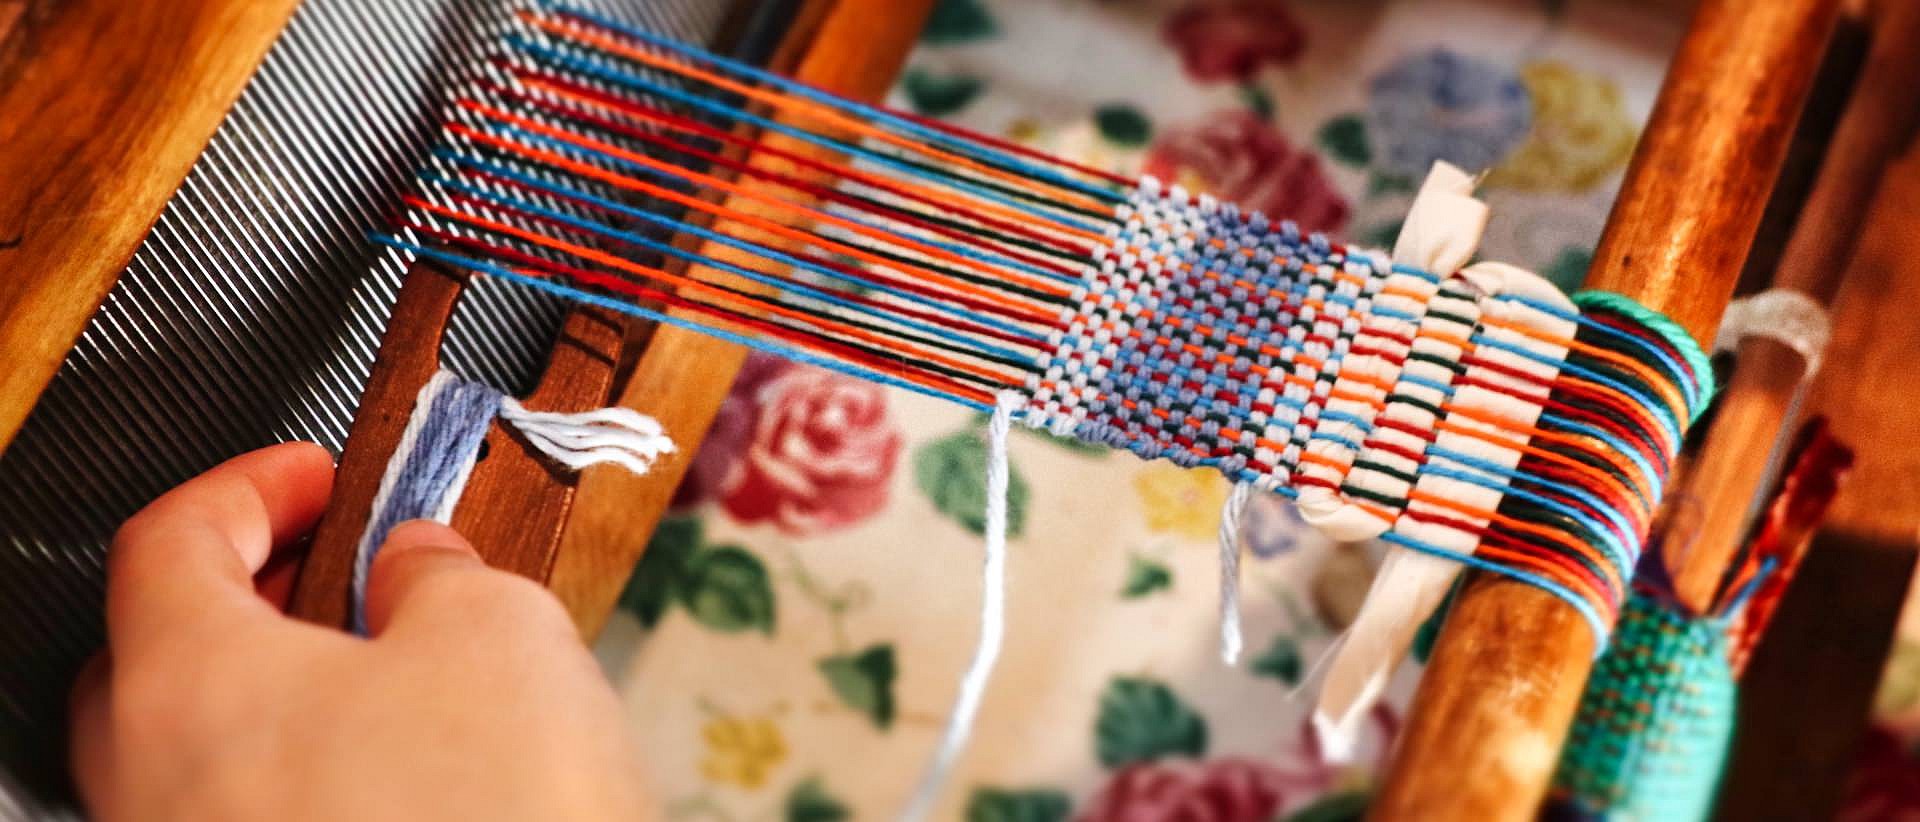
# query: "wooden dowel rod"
{"points": [[1507, 670], [1726, 478]]}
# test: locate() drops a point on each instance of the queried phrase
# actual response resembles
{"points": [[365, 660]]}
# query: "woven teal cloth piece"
{"points": [[1651, 736]]}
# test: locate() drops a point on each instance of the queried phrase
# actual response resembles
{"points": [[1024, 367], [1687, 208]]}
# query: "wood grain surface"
{"points": [[1878, 123], [1805, 700], [514, 504], [1485, 727], [104, 105]]}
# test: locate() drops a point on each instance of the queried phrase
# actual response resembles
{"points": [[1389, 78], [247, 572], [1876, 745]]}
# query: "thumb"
{"points": [[418, 554], [429, 577]]}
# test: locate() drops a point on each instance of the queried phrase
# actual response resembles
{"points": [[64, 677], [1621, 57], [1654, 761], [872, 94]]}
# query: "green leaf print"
{"points": [[937, 95], [1123, 125], [864, 681], [1381, 183], [1344, 138], [952, 472], [809, 801], [728, 589], [1142, 720], [1033, 805], [1258, 100], [660, 570], [1146, 575], [1346, 806], [1281, 660], [958, 21]]}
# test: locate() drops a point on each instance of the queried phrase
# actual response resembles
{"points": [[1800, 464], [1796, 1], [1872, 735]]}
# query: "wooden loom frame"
{"points": [[1511, 662]]}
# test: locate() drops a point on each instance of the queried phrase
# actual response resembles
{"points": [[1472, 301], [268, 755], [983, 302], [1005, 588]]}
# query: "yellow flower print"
{"points": [[1179, 501], [1581, 132], [742, 751]]}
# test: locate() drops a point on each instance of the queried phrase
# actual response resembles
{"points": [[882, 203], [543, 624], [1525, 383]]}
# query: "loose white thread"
{"points": [[1230, 516], [617, 435], [993, 627]]}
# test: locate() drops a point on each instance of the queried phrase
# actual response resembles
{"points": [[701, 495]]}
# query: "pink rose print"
{"points": [[1242, 159], [1234, 789], [804, 449], [1220, 790], [1229, 40]]}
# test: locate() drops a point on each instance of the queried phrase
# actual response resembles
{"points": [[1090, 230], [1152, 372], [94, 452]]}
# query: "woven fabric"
{"points": [[1651, 736]]}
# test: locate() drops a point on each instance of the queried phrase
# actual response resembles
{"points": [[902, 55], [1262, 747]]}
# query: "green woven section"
{"points": [[1682, 341], [1652, 732]]}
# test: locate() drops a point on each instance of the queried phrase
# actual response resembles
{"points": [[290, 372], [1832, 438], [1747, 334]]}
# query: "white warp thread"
{"points": [[1231, 639], [993, 618]]}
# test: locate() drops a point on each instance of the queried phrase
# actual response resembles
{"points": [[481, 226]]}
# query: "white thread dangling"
{"points": [[1230, 516], [993, 617], [617, 435]]}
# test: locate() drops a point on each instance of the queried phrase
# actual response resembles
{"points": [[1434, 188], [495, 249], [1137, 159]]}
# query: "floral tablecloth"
{"points": [[793, 640]]}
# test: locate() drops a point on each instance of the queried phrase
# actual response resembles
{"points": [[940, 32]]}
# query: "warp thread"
{"points": [[993, 619], [1231, 515], [441, 443], [1466, 414]]}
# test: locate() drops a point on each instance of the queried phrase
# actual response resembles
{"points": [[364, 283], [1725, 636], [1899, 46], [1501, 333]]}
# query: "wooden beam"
{"points": [[103, 109], [1724, 481], [682, 376], [1506, 673], [1805, 699]]}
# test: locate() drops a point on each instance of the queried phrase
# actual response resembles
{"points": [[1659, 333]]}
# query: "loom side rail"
{"points": [[1508, 668], [104, 106]]}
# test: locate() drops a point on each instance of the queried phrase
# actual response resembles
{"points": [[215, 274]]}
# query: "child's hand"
{"points": [[473, 700]]}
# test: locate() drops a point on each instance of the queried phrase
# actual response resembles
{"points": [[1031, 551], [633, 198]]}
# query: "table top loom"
{"points": [[185, 278]]}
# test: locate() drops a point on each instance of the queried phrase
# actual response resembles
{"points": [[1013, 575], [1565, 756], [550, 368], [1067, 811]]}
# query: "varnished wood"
{"points": [[408, 355], [1879, 121], [1500, 689], [514, 504], [1804, 701], [104, 106], [682, 376]]}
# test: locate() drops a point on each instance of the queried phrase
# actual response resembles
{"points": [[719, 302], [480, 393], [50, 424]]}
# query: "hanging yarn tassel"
{"points": [[1231, 515], [993, 618], [438, 448]]}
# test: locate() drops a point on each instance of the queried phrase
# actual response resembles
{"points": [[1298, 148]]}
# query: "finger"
{"points": [[188, 558], [274, 581], [90, 746], [429, 578]]}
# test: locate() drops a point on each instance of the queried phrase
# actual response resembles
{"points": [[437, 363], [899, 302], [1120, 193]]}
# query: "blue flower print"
{"points": [[1438, 105]]}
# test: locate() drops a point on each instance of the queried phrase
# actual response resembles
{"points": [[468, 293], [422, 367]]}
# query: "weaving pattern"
{"points": [[1655, 720], [1477, 414]]}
